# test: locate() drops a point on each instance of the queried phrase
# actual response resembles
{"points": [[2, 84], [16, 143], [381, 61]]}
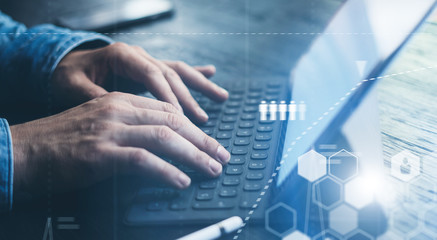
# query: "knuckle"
{"points": [[174, 121], [137, 156], [206, 141], [164, 134], [153, 70], [180, 64], [167, 107], [199, 157], [170, 73], [119, 46], [164, 170], [111, 108]]}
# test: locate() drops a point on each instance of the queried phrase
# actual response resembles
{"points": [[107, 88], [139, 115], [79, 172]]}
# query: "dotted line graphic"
{"points": [[275, 173], [209, 33]]}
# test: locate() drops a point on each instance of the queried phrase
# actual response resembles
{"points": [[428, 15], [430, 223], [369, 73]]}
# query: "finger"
{"points": [[84, 88], [178, 87], [141, 162], [181, 125], [195, 80], [207, 71], [164, 141], [131, 64]]}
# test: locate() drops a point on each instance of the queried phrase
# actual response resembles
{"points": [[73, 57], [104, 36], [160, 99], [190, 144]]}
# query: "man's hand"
{"points": [[116, 131], [81, 75]]}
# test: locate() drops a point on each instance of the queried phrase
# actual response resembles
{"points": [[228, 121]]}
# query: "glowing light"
{"points": [[365, 189]]}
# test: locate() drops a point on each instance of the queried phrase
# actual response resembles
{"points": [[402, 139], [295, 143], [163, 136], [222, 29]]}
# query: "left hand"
{"points": [[81, 75]]}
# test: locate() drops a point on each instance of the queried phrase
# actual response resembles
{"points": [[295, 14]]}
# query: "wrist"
{"points": [[19, 156]]}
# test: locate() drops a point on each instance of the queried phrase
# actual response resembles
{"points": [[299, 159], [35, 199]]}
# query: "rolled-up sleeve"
{"points": [[28, 58], [6, 167]]}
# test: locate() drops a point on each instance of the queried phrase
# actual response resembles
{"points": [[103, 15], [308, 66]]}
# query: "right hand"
{"points": [[85, 142]]}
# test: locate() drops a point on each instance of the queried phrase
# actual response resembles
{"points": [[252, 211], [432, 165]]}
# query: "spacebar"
{"points": [[222, 204]]}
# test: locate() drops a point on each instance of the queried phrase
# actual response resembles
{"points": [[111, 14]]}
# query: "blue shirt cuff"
{"points": [[6, 166], [29, 61], [65, 43]]}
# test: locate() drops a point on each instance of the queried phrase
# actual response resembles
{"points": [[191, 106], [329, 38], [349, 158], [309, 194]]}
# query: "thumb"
{"points": [[89, 90], [81, 89]]}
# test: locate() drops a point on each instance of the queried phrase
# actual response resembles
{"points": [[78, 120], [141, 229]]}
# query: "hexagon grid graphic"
{"points": [[389, 235], [327, 192], [359, 235], [343, 165], [281, 219], [296, 235], [405, 166], [343, 219], [354, 194], [327, 235], [311, 165]]}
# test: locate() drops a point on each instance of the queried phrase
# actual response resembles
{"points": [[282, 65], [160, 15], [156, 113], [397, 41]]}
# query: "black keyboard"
{"points": [[253, 145]]}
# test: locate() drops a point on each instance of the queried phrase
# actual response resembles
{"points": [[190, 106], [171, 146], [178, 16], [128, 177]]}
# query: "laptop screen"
{"points": [[345, 60]]}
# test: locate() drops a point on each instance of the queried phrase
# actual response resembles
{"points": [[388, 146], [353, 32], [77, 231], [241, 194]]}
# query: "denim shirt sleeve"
{"points": [[6, 167], [28, 57]]}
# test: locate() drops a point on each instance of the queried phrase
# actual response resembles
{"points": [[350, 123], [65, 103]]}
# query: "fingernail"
{"points": [[211, 66], [224, 92], [184, 180], [215, 167], [223, 155], [202, 114]]}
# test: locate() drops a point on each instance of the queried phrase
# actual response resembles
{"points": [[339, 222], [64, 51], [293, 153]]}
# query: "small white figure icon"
{"points": [[282, 111], [263, 107], [292, 107], [269, 111], [302, 110], [273, 108]]}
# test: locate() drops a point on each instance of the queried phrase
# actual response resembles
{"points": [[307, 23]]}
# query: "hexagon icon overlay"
{"points": [[343, 165], [327, 235], [405, 166], [343, 219], [312, 165], [327, 192], [355, 193], [281, 219], [296, 235], [359, 235]]}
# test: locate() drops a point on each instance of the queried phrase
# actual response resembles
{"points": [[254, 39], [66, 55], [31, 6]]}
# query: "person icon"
{"points": [[292, 107], [406, 166], [282, 111], [273, 108], [263, 107], [302, 110]]}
